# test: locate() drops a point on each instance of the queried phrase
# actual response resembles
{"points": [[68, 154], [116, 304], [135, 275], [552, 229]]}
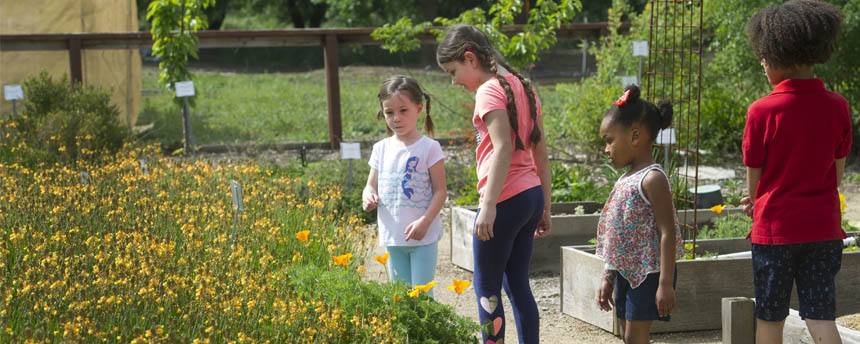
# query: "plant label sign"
{"points": [[236, 190], [350, 150], [666, 136], [12, 92], [629, 80], [640, 48], [184, 88]]}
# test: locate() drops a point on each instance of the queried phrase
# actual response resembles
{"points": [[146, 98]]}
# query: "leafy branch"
{"points": [[520, 49]]}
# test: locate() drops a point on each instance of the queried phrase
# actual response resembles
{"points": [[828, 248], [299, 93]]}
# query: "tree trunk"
{"points": [[318, 14], [296, 14], [429, 11]]}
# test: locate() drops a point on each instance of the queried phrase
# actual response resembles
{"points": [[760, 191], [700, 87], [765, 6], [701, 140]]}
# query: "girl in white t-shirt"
{"points": [[407, 183]]}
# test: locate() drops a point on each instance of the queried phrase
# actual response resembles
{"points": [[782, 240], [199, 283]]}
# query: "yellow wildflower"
{"points": [[718, 208], [842, 203], [459, 286]]}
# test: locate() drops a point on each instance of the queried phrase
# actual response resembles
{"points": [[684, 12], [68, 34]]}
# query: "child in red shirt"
{"points": [[795, 143]]}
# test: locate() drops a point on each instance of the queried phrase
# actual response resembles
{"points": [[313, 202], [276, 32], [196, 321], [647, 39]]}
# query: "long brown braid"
{"points": [[412, 90], [462, 38]]}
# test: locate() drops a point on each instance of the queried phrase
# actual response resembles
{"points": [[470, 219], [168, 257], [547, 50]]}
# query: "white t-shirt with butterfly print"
{"points": [[404, 188]]}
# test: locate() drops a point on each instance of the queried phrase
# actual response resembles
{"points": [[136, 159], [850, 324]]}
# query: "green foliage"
{"points": [[336, 172], [732, 225], [462, 181], [400, 37], [589, 99], [733, 191], [519, 50], [735, 78], [62, 122], [580, 184], [420, 319], [174, 23]]}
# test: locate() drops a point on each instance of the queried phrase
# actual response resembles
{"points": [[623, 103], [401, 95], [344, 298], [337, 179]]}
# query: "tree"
{"points": [[735, 79], [174, 23], [519, 49], [215, 14]]}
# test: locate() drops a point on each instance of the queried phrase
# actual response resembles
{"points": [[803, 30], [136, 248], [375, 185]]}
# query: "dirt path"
{"points": [[555, 326]]}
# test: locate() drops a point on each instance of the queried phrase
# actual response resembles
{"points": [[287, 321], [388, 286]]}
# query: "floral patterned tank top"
{"points": [[627, 236]]}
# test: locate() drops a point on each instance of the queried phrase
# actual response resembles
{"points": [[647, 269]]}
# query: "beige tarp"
{"points": [[116, 70]]}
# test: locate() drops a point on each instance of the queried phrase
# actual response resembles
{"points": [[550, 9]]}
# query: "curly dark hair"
{"points": [[796, 33]]}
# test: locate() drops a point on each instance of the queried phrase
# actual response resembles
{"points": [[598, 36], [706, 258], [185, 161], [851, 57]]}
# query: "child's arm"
{"points": [[541, 159], [604, 295], [369, 197], [840, 170], [753, 176], [656, 189], [417, 229], [503, 151]]}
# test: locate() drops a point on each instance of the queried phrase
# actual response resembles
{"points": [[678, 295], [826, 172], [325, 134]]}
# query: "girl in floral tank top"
{"points": [[637, 235]]}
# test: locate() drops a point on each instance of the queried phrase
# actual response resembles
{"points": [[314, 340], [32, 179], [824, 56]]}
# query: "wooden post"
{"points": [[333, 91], [738, 320], [75, 60]]}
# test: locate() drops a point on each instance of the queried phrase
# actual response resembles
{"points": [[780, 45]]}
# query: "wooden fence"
{"points": [[329, 39]]}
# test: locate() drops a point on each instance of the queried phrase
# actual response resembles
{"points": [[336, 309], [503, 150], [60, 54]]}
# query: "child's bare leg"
{"points": [[637, 332], [823, 331], [767, 332]]}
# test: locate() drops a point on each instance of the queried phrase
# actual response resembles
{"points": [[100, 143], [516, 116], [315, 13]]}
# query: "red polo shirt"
{"points": [[794, 134]]}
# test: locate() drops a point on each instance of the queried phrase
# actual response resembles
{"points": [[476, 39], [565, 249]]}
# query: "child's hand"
{"points": [[416, 230], [484, 222], [665, 300], [545, 225], [748, 206], [369, 200], [604, 295]]}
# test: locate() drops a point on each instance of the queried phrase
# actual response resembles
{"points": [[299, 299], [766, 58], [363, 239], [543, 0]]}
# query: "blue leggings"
{"points": [[414, 265], [503, 261]]}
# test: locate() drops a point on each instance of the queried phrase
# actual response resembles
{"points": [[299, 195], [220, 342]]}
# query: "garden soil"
{"points": [[556, 327]]}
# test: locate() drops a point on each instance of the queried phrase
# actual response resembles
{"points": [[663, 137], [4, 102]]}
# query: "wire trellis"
{"points": [[675, 73]]}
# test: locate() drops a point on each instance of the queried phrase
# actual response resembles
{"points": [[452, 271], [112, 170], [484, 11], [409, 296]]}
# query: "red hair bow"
{"points": [[623, 98]]}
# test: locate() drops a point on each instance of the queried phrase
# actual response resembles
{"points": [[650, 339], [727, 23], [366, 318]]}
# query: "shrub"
{"points": [[730, 226], [735, 79], [588, 100], [61, 122], [412, 320]]}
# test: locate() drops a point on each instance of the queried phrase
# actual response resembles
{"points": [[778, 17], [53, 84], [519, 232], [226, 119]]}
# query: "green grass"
{"points": [[292, 107]]}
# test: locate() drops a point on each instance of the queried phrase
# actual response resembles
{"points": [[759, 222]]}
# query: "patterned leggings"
{"points": [[503, 261]]}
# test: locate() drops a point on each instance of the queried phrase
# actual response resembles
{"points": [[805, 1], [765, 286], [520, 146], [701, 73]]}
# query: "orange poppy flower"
{"points": [[303, 235], [342, 259], [382, 259], [459, 286]]}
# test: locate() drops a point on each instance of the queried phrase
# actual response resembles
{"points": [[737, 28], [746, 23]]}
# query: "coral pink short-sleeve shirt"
{"points": [[522, 174]]}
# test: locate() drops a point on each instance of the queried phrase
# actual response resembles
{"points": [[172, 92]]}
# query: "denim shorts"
{"points": [[813, 266], [639, 303]]}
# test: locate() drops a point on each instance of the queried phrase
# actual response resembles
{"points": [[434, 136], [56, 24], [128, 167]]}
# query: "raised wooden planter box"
{"points": [[567, 229], [701, 285]]}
